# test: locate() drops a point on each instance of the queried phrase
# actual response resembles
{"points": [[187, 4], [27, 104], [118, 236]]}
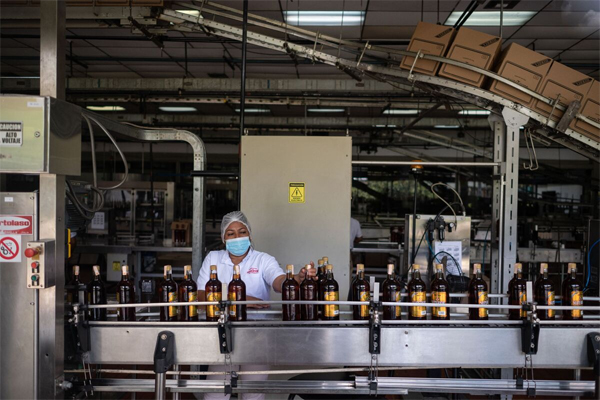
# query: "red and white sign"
{"points": [[10, 248], [16, 225]]}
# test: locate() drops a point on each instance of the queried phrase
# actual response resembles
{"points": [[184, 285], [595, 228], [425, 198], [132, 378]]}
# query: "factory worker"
{"points": [[258, 270]]}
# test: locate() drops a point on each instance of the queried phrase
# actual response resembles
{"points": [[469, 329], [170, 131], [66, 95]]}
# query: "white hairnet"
{"points": [[234, 216]]}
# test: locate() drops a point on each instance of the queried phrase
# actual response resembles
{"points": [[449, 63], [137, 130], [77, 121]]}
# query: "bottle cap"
{"points": [[308, 266], [329, 267], [476, 267], [125, 269], [76, 269], [325, 260], [320, 262], [289, 268], [415, 267], [96, 269], [439, 267], [187, 268], [543, 268], [390, 269], [518, 267], [167, 269], [572, 267], [236, 269], [544, 265], [360, 267], [213, 267]]}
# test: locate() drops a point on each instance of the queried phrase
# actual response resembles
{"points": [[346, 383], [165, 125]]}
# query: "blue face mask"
{"points": [[238, 246]]}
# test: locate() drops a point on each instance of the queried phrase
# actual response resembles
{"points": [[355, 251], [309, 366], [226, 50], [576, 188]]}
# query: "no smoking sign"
{"points": [[10, 248]]}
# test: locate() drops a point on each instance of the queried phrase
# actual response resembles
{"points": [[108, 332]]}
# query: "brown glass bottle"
{"points": [[331, 292], [237, 292], [188, 292], [213, 292], [544, 293], [73, 287], [125, 295], [440, 294], [309, 290], [478, 294], [167, 293], [417, 293], [361, 292], [290, 291], [572, 294], [322, 277], [96, 294], [517, 293], [391, 292]]}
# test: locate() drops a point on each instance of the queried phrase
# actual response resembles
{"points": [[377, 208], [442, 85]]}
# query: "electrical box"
{"points": [[39, 135], [114, 262], [296, 193], [40, 264]]}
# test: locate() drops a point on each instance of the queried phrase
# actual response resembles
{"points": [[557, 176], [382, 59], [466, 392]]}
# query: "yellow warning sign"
{"points": [[296, 191]]}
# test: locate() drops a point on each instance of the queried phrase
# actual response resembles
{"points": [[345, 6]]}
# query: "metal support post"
{"points": [[52, 49], [593, 352], [499, 130], [164, 358]]}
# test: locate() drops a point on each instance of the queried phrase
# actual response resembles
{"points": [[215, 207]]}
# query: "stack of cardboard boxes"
{"points": [[528, 68]]}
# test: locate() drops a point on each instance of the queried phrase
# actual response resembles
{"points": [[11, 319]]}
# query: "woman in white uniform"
{"points": [[258, 270]]}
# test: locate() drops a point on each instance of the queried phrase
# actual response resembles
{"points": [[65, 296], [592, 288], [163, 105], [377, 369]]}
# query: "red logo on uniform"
{"points": [[253, 270]]}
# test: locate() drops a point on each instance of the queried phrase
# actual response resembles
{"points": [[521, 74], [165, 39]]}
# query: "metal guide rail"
{"points": [[546, 127], [373, 344]]}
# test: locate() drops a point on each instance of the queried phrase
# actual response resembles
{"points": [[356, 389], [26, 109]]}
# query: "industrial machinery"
{"points": [[45, 138]]}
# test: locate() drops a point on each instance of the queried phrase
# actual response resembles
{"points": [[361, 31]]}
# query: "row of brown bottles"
{"points": [[308, 290], [186, 291]]}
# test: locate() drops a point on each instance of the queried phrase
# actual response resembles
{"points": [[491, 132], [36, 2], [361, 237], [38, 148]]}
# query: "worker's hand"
{"points": [[312, 272], [250, 298]]}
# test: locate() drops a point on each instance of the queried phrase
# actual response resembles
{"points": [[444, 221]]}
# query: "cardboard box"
{"points": [[474, 48], [523, 66], [430, 39], [564, 82], [590, 108]]}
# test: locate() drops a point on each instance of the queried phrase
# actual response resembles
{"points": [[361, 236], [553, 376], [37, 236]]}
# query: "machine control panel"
{"points": [[40, 264]]}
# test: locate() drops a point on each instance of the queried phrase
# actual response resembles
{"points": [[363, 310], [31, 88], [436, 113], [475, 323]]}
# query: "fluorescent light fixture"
{"points": [[384, 126], [253, 110], [492, 18], [327, 110], [105, 108], [324, 18], [178, 109], [194, 13], [400, 112], [446, 126], [474, 112]]}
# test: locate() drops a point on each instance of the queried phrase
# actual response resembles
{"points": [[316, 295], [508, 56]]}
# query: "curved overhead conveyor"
{"points": [[365, 54]]}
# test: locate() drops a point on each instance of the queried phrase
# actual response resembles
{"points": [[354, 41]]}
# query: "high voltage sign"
{"points": [[296, 192]]}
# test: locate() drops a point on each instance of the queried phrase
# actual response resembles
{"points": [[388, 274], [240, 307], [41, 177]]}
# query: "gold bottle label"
{"points": [[482, 298], [576, 300], [522, 300], [418, 311], [440, 298], [172, 299], [331, 310], [213, 311], [364, 310], [233, 307], [550, 302], [193, 310], [398, 311]]}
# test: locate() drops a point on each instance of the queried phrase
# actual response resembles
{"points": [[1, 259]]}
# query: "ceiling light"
{"points": [[324, 18], [178, 109], [400, 112], [327, 110], [253, 110], [446, 126], [105, 108], [384, 126], [194, 13], [474, 112], [492, 18]]}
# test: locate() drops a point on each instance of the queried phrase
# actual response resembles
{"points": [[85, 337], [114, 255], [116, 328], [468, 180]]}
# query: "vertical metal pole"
{"points": [[52, 208], [160, 386], [498, 128], [176, 395], [243, 95], [577, 377], [414, 224]]}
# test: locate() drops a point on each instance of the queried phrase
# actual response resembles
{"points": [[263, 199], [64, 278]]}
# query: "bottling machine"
{"points": [[45, 140]]}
